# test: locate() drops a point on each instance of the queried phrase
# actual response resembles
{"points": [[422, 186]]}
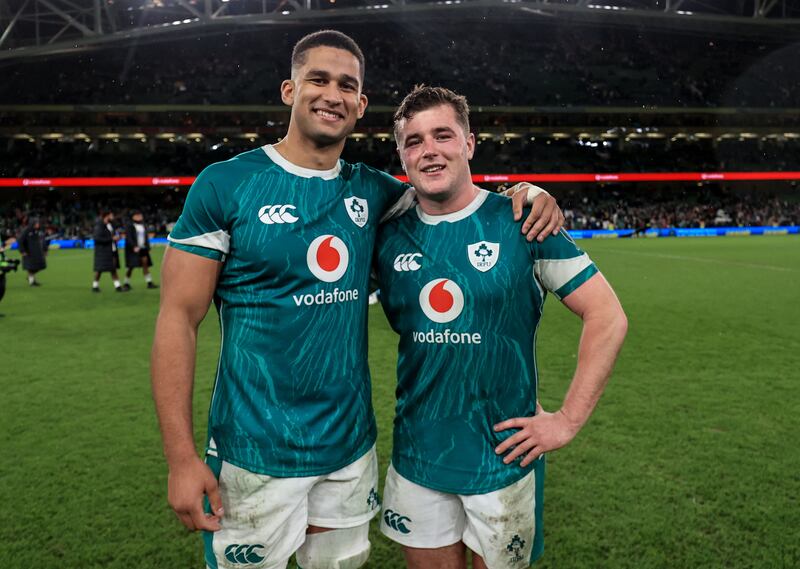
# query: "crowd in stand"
{"points": [[75, 218], [527, 154], [526, 63], [494, 64], [621, 208], [644, 210]]}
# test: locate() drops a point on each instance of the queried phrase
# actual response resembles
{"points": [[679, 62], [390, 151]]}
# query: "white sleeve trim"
{"points": [[218, 240], [555, 273], [402, 205]]}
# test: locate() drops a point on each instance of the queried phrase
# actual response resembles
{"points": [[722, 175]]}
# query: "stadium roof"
{"points": [[42, 27]]}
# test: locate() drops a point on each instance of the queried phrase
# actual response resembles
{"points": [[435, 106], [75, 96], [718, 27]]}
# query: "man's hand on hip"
{"points": [[538, 434]]}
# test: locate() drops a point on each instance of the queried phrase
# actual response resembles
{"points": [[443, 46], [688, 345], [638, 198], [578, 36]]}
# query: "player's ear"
{"points": [[470, 145], [362, 104], [287, 92]]}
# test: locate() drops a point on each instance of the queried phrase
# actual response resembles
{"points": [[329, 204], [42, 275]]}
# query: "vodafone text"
{"points": [[446, 337], [325, 297]]}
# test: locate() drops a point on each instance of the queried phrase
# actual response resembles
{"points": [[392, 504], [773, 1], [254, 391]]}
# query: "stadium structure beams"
{"points": [[43, 27]]}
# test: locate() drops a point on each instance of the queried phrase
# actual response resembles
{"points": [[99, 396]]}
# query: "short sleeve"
{"points": [[560, 266], [202, 228]]}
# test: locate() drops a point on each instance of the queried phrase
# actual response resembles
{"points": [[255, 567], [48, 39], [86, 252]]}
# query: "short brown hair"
{"points": [[423, 97], [326, 38]]}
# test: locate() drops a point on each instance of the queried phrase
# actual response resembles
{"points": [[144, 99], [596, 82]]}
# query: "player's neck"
{"points": [[305, 153], [456, 201]]}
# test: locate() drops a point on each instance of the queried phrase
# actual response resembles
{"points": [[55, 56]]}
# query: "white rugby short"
{"points": [[266, 517], [499, 526]]}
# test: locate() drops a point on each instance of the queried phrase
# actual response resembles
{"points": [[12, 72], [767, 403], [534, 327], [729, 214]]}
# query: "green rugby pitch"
{"points": [[691, 460]]}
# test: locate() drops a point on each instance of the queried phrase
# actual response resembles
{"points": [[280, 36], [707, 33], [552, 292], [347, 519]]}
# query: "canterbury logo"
{"points": [[407, 262], [396, 521], [243, 554], [270, 214]]}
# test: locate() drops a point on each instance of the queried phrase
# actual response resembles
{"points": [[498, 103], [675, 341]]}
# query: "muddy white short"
{"points": [[266, 517], [504, 527]]}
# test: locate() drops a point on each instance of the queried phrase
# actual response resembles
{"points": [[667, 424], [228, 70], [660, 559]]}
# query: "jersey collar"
{"points": [[464, 213], [292, 168]]}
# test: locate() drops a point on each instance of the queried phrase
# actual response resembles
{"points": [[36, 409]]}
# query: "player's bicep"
{"points": [[188, 282], [592, 295]]}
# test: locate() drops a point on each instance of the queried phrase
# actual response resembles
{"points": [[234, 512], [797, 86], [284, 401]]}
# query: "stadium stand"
{"points": [[547, 97], [545, 64]]}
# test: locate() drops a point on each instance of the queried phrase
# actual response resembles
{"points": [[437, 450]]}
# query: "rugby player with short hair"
{"points": [[467, 465], [281, 238]]}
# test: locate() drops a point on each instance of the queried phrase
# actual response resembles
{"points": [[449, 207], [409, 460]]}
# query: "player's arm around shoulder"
{"points": [[188, 282], [544, 217]]}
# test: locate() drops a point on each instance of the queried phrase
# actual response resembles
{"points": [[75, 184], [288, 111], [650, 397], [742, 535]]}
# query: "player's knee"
{"points": [[336, 549]]}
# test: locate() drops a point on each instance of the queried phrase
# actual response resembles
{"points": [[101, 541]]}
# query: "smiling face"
{"points": [[435, 151], [325, 95]]}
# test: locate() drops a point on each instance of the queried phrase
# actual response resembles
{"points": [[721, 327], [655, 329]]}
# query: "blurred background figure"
{"points": [[137, 250], [106, 254], [33, 248]]}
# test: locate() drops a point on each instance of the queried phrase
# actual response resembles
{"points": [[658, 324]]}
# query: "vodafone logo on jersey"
{"points": [[327, 258], [441, 300]]}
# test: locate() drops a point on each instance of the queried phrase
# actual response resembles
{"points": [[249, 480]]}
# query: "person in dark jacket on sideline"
{"points": [[106, 255], [33, 248], [137, 250]]}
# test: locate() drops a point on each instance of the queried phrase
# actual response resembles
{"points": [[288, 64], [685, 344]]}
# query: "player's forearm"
{"points": [[172, 368], [601, 340]]}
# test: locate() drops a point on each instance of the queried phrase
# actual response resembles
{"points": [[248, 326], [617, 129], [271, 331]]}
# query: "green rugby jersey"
{"points": [[465, 292], [292, 394]]}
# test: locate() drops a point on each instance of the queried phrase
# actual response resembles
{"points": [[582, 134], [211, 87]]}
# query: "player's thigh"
{"points": [[503, 527], [264, 522], [419, 517], [347, 497]]}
